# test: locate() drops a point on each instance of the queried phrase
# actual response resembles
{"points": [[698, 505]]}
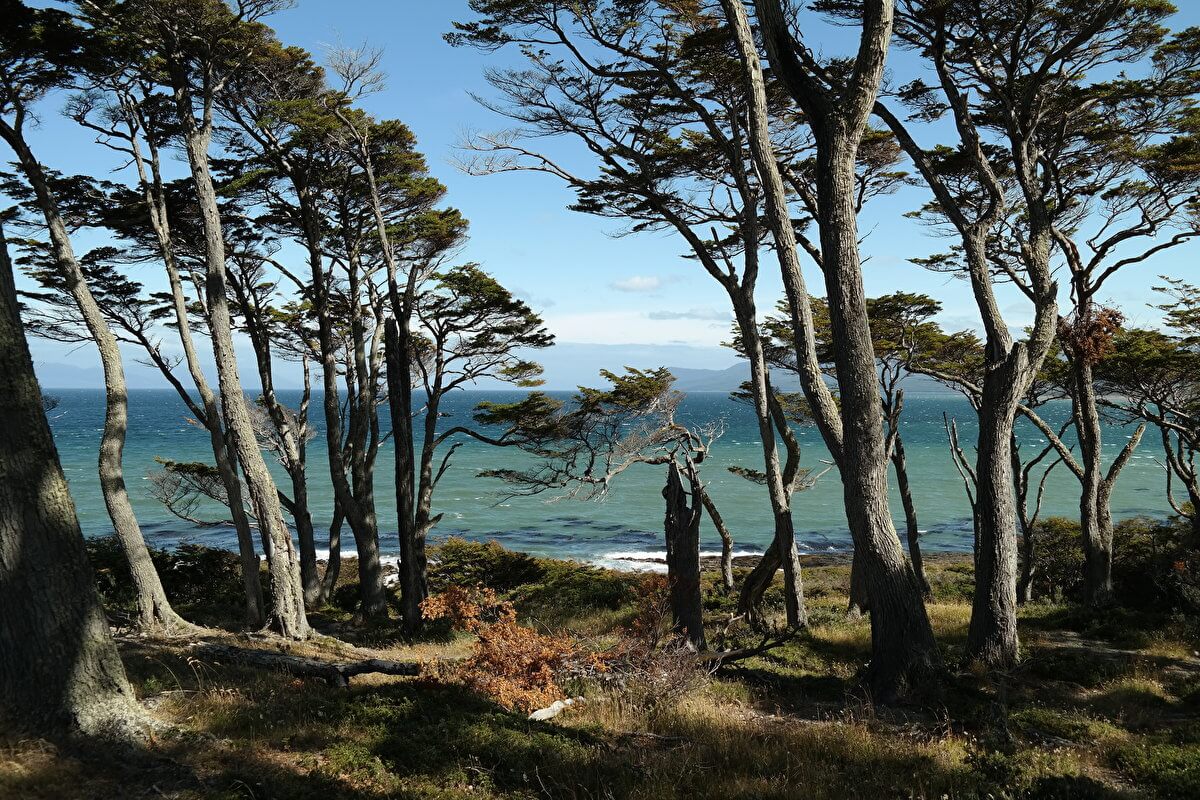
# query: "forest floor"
{"points": [[1101, 706]]}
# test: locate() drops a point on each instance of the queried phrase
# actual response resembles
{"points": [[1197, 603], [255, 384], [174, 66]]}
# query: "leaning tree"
{"points": [[581, 447]]}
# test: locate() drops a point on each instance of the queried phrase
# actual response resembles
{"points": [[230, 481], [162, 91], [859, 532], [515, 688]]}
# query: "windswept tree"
{"points": [[902, 330], [193, 46], [157, 221], [1154, 376], [650, 92], [59, 668], [41, 51], [467, 328], [835, 102], [582, 446], [1049, 150]]}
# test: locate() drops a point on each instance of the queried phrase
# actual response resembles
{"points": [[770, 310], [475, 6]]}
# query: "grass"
{"points": [[1099, 708]]}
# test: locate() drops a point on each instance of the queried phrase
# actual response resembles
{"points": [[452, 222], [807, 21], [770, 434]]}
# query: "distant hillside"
{"points": [[726, 380]]}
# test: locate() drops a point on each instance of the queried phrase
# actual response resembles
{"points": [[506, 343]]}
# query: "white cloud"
{"points": [[638, 283], [694, 313]]}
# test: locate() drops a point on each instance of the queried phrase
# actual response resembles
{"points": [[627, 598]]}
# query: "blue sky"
{"points": [[609, 300]]}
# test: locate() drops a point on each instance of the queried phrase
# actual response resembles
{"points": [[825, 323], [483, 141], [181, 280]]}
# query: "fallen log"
{"points": [[335, 673]]}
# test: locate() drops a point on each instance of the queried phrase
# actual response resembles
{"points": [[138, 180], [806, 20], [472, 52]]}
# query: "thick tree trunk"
{"points": [[911, 527], [992, 635], [412, 569], [287, 612], [154, 610], [682, 529], [904, 655], [59, 669]]}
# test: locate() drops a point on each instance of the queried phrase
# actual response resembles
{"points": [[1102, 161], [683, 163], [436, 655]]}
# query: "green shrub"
{"points": [[202, 582], [1155, 565], [569, 588], [458, 562], [1058, 558]]}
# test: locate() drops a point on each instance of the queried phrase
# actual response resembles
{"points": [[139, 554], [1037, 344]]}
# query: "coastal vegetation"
{"points": [[1054, 143]]}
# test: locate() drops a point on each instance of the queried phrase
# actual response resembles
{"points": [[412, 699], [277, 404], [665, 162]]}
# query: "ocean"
{"points": [[625, 528]]}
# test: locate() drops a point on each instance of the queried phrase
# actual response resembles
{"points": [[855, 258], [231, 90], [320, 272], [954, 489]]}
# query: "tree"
{"points": [[1124, 179], [131, 115], [195, 45], [281, 107], [39, 52], [467, 328], [788, 410], [649, 91], [59, 668], [835, 110], [583, 446], [1154, 376]]}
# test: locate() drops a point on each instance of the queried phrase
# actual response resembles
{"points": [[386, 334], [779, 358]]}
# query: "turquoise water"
{"points": [[623, 528]]}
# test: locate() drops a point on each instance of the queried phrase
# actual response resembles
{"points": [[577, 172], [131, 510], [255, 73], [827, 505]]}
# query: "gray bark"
{"points": [[778, 493], [904, 655], [726, 539], [59, 669], [911, 526], [287, 612], [154, 610]]}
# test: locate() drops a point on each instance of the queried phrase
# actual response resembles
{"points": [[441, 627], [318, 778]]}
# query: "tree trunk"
{"points": [[726, 539], [992, 635], [756, 584], [153, 195], [333, 565], [912, 529], [744, 311], [758, 580], [154, 610], [904, 655], [682, 528], [287, 612], [860, 603], [1095, 519], [412, 570], [59, 669]]}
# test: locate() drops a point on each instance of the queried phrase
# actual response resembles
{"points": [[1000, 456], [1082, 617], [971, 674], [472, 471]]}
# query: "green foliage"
{"points": [[1156, 565], [1058, 558], [204, 583], [545, 589], [463, 563], [569, 589]]}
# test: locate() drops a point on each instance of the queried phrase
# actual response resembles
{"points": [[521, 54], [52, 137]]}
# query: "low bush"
{"points": [[203, 583], [459, 562], [1058, 559]]}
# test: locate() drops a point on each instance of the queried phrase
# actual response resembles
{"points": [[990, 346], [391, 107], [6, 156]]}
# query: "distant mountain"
{"points": [[689, 379]]}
